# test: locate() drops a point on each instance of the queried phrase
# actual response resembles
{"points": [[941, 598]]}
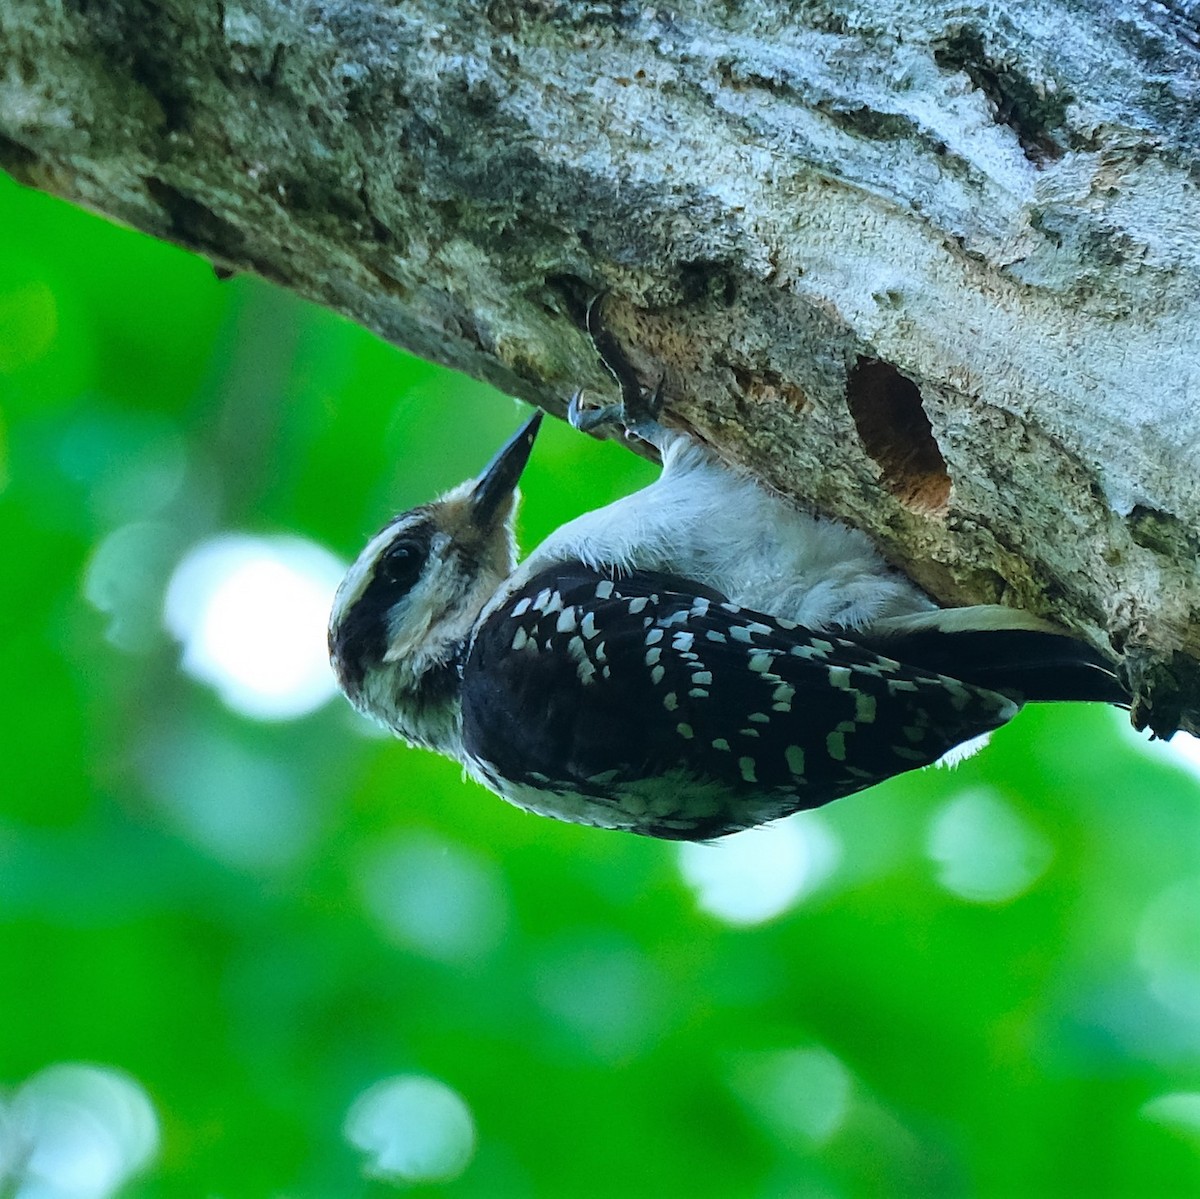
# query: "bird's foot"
{"points": [[640, 420], [639, 410]]}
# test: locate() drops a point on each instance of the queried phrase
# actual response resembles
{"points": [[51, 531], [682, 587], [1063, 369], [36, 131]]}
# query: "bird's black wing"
{"points": [[586, 683]]}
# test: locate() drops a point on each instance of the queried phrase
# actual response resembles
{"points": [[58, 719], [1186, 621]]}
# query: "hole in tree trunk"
{"points": [[895, 431]]}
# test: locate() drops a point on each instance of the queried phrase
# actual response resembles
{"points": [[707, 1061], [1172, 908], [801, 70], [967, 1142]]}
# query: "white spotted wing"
{"points": [[590, 684]]}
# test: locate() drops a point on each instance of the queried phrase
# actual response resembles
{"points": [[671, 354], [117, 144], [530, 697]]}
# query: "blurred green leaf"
{"points": [[258, 922]]}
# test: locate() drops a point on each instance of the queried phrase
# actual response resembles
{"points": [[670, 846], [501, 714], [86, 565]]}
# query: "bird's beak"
{"points": [[499, 480]]}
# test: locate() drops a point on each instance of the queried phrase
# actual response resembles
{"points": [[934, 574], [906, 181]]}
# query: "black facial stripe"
{"points": [[360, 638], [398, 567]]}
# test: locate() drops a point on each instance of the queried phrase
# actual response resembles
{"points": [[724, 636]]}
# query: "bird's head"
{"points": [[406, 607]]}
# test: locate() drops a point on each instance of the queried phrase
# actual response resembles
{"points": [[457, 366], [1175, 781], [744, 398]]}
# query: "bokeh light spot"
{"points": [[125, 580], [984, 850], [752, 877], [242, 807], [1182, 750], [438, 899], [603, 993], [131, 464], [801, 1096], [1168, 948], [251, 613], [1178, 1111], [413, 1129], [80, 1132], [1185, 749]]}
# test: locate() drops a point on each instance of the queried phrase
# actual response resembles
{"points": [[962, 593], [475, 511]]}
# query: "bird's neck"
{"points": [[421, 700]]}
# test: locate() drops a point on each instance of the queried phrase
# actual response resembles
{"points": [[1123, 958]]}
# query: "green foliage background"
{"points": [[610, 1038]]}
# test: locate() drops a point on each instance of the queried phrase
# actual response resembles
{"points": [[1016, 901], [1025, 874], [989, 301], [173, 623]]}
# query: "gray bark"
{"points": [[933, 268]]}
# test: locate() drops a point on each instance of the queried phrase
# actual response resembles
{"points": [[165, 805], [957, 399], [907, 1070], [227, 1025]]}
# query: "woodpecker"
{"points": [[697, 658]]}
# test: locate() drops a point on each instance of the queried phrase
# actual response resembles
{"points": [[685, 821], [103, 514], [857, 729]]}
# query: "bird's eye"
{"points": [[401, 564]]}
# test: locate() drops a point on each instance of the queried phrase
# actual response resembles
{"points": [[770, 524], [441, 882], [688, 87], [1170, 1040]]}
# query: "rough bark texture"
{"points": [[933, 268]]}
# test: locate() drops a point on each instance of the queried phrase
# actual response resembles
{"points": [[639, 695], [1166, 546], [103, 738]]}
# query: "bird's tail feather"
{"points": [[1027, 664]]}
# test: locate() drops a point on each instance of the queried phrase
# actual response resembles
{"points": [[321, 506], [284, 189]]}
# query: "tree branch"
{"points": [[931, 269]]}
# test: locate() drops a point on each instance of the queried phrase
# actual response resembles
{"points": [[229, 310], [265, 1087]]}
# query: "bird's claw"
{"points": [[588, 420], [639, 410], [640, 420]]}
